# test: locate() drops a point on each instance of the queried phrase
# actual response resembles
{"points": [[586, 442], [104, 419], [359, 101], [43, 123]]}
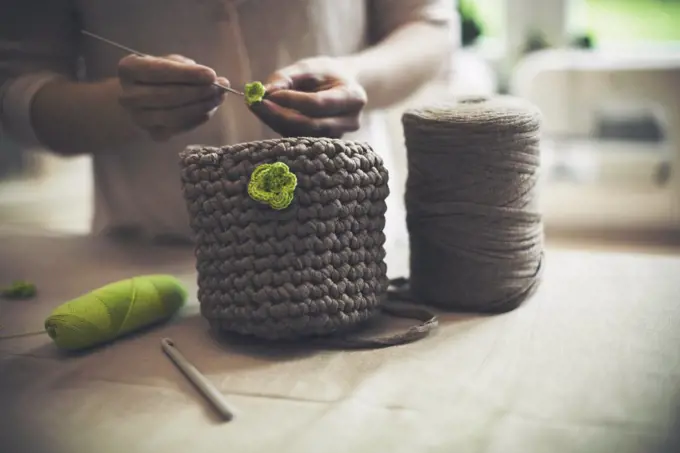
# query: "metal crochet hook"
{"points": [[140, 54], [206, 388]]}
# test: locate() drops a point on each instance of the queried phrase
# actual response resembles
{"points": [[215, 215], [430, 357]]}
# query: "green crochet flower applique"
{"points": [[273, 184], [254, 92]]}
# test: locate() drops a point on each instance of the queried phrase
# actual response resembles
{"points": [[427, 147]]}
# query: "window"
{"points": [[490, 14], [618, 23], [633, 21]]}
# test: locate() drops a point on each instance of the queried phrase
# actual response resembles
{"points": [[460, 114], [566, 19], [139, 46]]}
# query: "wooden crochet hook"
{"points": [[140, 54], [206, 388]]}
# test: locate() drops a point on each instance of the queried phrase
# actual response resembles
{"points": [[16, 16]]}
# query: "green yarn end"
{"points": [[19, 290], [254, 92], [273, 184]]}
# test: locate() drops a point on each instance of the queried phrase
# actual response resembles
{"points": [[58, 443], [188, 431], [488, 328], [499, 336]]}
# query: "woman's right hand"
{"points": [[169, 95]]}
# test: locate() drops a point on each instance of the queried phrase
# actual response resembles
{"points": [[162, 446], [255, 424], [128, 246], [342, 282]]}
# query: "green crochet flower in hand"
{"points": [[273, 184], [254, 92]]}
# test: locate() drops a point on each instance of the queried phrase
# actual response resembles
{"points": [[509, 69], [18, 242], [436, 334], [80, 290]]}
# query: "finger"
{"points": [[278, 81], [299, 81], [338, 101], [290, 123], [167, 96], [179, 118], [223, 82], [179, 58], [153, 70], [295, 78]]}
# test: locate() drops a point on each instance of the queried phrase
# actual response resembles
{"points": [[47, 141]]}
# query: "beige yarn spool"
{"points": [[476, 235]]}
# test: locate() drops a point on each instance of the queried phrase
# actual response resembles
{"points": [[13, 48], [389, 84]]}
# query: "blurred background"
{"points": [[605, 73]]}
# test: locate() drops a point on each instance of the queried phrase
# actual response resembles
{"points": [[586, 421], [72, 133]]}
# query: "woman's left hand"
{"points": [[316, 97]]}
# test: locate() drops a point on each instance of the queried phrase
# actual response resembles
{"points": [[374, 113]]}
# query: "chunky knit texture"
{"points": [[315, 267]]}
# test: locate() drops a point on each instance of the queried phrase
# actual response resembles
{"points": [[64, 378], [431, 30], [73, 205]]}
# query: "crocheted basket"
{"points": [[289, 235]]}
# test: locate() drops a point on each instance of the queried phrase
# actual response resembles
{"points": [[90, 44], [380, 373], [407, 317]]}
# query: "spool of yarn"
{"points": [[115, 310], [475, 232]]}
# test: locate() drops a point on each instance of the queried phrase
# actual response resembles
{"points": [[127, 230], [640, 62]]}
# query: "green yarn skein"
{"points": [[115, 310]]}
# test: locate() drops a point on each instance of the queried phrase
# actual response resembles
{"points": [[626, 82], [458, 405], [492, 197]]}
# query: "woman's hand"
{"points": [[316, 97], [169, 95]]}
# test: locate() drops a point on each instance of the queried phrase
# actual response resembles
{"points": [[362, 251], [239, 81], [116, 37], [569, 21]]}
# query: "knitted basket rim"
{"points": [[195, 148]]}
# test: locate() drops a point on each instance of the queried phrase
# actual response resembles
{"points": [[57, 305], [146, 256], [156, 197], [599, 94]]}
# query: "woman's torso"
{"points": [[137, 187]]}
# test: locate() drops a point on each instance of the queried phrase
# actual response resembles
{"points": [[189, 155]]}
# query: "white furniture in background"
{"points": [[573, 87], [570, 86]]}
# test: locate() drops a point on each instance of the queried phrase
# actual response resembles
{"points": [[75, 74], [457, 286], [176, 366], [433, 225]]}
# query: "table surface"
{"points": [[590, 364]]}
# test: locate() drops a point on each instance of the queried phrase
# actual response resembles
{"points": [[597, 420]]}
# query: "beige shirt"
{"points": [[137, 186]]}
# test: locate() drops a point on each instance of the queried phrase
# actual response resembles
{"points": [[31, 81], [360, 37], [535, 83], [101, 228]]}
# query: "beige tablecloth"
{"points": [[590, 364]]}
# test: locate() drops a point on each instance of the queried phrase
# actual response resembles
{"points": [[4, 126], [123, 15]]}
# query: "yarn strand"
{"points": [[12, 336]]}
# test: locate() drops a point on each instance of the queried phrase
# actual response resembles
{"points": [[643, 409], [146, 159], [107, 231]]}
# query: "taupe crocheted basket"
{"points": [[275, 270]]}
